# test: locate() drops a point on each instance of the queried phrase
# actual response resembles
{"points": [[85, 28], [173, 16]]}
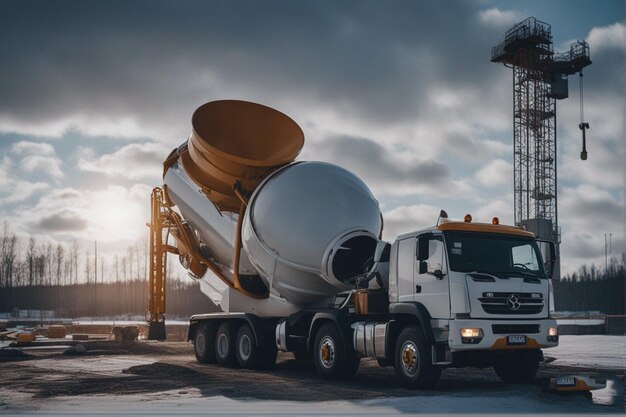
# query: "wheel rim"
{"points": [[222, 345], [200, 344], [245, 347], [409, 358], [327, 352]]}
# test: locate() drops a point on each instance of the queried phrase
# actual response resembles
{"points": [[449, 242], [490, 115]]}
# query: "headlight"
{"points": [[471, 335], [553, 334], [472, 332]]}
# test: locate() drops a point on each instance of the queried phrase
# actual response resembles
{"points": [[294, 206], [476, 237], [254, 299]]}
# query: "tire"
{"points": [[246, 348], [518, 368], [413, 360], [333, 360], [225, 343], [204, 344]]}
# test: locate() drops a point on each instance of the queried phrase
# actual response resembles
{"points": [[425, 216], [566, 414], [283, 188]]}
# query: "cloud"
{"points": [[501, 208], [37, 157], [500, 19], [586, 213], [110, 214], [23, 190], [62, 221], [5, 167], [134, 161], [610, 37], [144, 79], [47, 165], [496, 173], [389, 173], [405, 219], [25, 147]]}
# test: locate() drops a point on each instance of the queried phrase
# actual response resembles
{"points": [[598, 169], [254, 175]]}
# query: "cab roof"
{"points": [[472, 227], [485, 228]]}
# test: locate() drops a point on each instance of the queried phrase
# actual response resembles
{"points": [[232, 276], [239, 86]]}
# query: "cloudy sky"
{"points": [[94, 95]]}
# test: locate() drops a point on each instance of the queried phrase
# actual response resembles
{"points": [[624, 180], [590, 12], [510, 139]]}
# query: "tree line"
{"points": [[593, 288], [39, 275]]}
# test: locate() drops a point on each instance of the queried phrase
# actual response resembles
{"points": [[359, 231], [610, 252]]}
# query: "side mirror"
{"points": [[548, 251], [422, 248]]}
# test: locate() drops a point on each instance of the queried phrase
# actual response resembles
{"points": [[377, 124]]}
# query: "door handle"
{"points": [[418, 288]]}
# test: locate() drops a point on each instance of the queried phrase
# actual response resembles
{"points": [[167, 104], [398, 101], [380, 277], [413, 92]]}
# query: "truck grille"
{"points": [[511, 303], [515, 328]]}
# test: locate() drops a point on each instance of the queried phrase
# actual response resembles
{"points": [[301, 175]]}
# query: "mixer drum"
{"points": [[235, 141], [310, 229]]}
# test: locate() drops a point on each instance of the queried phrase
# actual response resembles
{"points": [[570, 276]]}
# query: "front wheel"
{"points": [[519, 368], [332, 359], [413, 360]]}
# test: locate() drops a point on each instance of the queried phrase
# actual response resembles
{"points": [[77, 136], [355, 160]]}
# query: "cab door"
{"points": [[431, 276]]}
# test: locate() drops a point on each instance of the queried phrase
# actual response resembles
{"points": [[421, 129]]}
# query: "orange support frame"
{"points": [[164, 219], [158, 265]]}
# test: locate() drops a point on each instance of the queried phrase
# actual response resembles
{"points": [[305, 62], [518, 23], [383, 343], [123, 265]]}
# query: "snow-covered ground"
{"points": [[191, 402], [595, 352]]}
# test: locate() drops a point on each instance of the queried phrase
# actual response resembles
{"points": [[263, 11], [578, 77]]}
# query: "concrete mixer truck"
{"points": [[292, 253]]}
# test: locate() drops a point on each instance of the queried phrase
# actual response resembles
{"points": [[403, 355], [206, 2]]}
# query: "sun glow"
{"points": [[118, 214]]}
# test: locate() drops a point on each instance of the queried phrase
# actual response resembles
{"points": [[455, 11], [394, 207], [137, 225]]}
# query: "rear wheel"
{"points": [[518, 368], [413, 360], [332, 358], [247, 349], [204, 344], [225, 343]]}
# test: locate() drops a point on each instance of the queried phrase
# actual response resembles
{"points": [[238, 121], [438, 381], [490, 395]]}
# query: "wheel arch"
{"points": [[403, 315], [334, 317]]}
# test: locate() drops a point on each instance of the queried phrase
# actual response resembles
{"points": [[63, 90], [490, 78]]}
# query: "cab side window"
{"points": [[434, 261]]}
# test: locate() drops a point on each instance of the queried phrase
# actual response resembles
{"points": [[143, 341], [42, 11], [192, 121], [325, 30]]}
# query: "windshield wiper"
{"points": [[524, 273], [488, 273]]}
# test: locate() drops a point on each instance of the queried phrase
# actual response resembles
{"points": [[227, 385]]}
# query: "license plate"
{"points": [[565, 381], [516, 340]]}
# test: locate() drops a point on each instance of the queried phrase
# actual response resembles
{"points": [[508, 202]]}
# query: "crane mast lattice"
{"points": [[539, 79]]}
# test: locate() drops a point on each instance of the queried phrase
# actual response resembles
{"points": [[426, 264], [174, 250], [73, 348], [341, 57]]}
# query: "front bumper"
{"points": [[498, 341]]}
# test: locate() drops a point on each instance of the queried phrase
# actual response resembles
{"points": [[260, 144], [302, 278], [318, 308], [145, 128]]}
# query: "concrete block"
{"points": [[125, 333], [57, 332]]}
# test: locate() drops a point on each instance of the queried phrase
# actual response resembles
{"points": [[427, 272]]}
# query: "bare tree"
{"points": [[74, 259], [58, 263], [31, 255], [88, 268]]}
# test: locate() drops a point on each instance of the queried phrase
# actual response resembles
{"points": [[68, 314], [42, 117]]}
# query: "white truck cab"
{"points": [[486, 289]]}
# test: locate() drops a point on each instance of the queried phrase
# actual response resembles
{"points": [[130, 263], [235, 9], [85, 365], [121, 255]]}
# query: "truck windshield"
{"points": [[500, 255]]}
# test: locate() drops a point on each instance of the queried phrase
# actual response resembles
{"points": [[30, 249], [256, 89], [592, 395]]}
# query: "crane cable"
{"points": [[582, 125]]}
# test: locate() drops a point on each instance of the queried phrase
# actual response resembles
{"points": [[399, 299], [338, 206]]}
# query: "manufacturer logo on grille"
{"points": [[513, 302]]}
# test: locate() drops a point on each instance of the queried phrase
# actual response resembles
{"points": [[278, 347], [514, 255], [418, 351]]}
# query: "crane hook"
{"points": [[582, 125]]}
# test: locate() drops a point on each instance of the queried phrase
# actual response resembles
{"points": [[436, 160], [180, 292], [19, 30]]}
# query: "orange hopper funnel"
{"points": [[238, 141]]}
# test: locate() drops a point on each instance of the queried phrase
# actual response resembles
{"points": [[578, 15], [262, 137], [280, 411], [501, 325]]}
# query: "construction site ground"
{"points": [[164, 378]]}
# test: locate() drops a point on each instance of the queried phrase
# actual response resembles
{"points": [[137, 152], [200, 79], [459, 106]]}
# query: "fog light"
{"points": [[535, 295], [553, 334], [471, 335]]}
